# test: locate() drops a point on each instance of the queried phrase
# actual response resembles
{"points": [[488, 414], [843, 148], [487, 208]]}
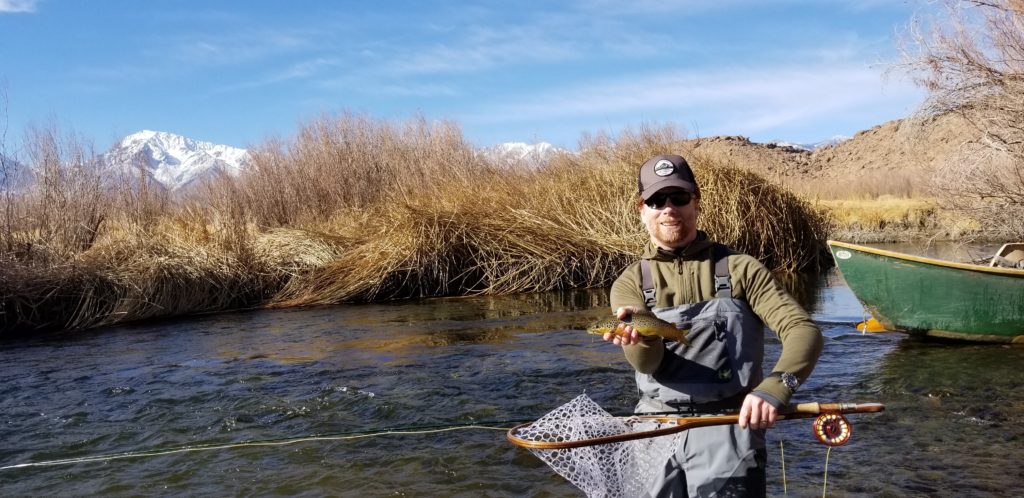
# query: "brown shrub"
{"points": [[970, 61], [360, 210]]}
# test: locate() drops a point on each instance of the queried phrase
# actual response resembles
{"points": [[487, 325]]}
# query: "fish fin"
{"points": [[680, 335], [685, 333]]}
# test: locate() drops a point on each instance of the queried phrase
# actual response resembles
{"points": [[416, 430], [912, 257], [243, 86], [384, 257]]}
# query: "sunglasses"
{"points": [[679, 199]]}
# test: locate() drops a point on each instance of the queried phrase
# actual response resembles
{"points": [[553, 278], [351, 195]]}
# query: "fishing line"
{"points": [[824, 481], [338, 436], [782, 458]]}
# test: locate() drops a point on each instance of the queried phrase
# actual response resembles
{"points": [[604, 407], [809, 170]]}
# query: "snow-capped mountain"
{"points": [[172, 160], [533, 155], [812, 147], [835, 140], [175, 161]]}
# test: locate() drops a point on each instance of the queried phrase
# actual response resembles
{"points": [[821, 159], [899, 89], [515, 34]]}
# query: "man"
{"points": [[725, 299]]}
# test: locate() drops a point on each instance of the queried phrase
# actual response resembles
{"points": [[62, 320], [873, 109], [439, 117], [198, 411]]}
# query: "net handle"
{"points": [[802, 410]]}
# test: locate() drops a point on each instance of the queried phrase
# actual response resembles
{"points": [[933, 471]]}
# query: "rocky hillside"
{"points": [[903, 146]]}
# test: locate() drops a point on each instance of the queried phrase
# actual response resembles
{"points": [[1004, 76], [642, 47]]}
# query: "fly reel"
{"points": [[832, 429]]}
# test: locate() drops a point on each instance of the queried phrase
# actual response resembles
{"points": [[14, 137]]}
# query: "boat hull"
{"points": [[934, 297]]}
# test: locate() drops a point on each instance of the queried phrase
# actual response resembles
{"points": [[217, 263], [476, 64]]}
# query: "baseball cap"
{"points": [[666, 170]]}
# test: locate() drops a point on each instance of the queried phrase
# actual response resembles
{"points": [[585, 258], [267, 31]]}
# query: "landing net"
{"points": [[624, 469]]}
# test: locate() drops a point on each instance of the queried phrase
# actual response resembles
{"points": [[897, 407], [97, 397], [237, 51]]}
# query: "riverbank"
{"points": [[360, 211], [353, 209], [890, 218]]}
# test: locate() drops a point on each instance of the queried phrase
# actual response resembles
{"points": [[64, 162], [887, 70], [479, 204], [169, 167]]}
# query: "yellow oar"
{"points": [[872, 325]]}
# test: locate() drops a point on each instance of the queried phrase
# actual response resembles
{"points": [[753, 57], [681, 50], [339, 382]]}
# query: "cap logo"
{"points": [[664, 168]]}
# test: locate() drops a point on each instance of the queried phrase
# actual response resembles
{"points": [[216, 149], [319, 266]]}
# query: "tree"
{"points": [[9, 180], [971, 62]]}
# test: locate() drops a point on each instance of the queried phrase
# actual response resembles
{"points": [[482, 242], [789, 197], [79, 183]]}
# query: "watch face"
{"points": [[790, 381]]}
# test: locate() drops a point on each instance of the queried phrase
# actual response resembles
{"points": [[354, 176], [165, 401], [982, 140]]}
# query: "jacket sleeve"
{"points": [[646, 356], [801, 340]]}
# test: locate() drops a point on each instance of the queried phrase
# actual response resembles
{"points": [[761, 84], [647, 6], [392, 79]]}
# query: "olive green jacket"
{"points": [[687, 276]]}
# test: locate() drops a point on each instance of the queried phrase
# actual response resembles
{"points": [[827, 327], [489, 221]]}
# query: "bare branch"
{"points": [[971, 62]]}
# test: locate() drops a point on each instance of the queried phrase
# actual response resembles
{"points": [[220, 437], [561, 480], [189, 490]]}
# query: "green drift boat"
{"points": [[938, 298]]}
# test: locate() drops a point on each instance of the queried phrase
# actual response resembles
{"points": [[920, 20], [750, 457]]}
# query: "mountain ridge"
{"points": [[174, 161], [907, 147], [520, 153], [912, 145]]}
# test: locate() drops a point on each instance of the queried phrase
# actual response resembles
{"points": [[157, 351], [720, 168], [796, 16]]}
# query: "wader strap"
{"points": [[648, 283], [723, 283]]}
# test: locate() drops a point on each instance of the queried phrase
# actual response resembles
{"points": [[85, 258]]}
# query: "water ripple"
{"points": [[954, 418]]}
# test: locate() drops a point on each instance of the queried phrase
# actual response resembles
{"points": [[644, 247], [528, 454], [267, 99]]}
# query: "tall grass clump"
{"points": [[55, 210], [347, 161], [353, 209], [173, 267], [53, 205], [84, 243], [569, 224], [899, 184], [454, 224]]}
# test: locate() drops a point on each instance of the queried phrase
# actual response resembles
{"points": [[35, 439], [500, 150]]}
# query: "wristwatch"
{"points": [[789, 380]]}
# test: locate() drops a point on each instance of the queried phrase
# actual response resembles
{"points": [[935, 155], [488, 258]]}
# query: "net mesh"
{"points": [[604, 470]]}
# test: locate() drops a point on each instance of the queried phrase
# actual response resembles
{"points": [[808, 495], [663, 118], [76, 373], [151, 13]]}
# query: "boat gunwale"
{"points": [[972, 337], [926, 260]]}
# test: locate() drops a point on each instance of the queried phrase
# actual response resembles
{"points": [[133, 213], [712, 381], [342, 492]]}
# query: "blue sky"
{"points": [[240, 72]]}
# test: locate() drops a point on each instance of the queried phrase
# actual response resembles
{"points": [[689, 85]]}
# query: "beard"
{"points": [[672, 236]]}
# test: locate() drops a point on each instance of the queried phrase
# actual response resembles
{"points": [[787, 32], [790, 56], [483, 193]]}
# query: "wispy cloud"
{"points": [[103, 78], [384, 66], [617, 8], [12, 6], [176, 56], [486, 48], [417, 90], [377, 86], [233, 48], [742, 101], [302, 70]]}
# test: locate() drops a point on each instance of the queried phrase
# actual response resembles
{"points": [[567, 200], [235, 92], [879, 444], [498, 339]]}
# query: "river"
{"points": [[953, 425]]}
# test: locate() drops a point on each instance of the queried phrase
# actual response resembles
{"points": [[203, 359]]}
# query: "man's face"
{"points": [[671, 226]]}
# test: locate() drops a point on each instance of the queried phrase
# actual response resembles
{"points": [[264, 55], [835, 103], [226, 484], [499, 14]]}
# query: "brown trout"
{"points": [[644, 323]]}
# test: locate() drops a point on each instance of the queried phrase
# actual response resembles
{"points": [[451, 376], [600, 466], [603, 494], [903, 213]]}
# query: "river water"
{"points": [[953, 425]]}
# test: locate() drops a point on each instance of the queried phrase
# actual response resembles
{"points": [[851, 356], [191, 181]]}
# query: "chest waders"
{"points": [[713, 374]]}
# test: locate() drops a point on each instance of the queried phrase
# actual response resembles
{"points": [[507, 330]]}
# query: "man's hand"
{"points": [[629, 336], [757, 413]]}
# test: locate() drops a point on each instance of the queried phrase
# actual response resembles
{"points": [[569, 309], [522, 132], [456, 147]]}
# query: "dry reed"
{"points": [[354, 209], [912, 184], [568, 225]]}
